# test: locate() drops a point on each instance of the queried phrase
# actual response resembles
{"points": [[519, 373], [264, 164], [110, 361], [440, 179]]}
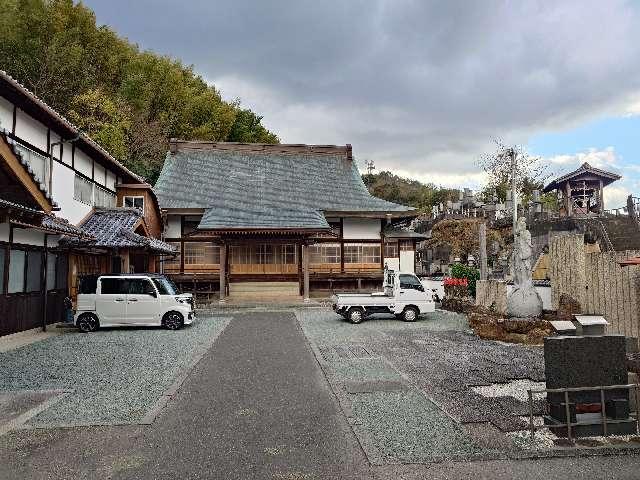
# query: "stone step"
{"points": [[264, 288]]}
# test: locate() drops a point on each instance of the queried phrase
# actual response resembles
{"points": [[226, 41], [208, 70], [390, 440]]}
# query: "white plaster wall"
{"points": [[361, 228], [6, 114], [52, 240], [83, 163], [98, 174], [72, 210], [31, 130], [67, 154], [4, 232], [28, 236], [393, 263], [174, 227], [407, 261], [111, 180]]}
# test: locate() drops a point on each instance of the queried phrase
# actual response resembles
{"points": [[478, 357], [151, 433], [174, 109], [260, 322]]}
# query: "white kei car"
{"points": [[130, 300]]}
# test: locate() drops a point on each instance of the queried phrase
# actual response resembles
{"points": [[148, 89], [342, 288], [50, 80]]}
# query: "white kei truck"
{"points": [[403, 295]]}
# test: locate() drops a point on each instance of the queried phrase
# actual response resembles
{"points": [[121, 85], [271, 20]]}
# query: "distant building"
{"points": [[581, 192]]}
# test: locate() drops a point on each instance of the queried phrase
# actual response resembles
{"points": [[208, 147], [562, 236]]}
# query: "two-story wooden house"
{"points": [[257, 214], [56, 176]]}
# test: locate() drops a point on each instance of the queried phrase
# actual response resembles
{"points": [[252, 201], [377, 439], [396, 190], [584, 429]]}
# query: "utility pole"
{"points": [[370, 166], [514, 196]]}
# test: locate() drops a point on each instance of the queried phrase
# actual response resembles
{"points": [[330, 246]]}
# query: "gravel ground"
{"points": [[413, 386], [115, 375], [407, 427]]}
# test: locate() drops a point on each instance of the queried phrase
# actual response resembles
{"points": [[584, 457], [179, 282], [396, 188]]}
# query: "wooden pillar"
{"points": [[483, 250], [569, 200], [43, 282], [601, 199], [300, 280], [305, 271], [223, 272]]}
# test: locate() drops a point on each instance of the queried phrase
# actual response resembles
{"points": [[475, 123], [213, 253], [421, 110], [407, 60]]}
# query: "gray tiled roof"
{"points": [[585, 168], [271, 187], [41, 220], [114, 228]]}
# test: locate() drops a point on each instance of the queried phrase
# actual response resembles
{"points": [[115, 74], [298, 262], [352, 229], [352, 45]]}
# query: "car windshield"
{"points": [[165, 286]]}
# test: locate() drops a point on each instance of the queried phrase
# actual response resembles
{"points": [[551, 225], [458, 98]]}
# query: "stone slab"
{"points": [[563, 326]]}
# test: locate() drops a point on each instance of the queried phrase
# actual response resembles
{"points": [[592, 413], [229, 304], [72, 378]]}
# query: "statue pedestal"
{"points": [[523, 303]]}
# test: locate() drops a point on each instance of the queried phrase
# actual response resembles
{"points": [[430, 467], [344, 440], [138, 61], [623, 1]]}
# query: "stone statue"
{"points": [[524, 300]]}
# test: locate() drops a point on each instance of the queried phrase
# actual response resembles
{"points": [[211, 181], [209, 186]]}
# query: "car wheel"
{"points": [[356, 315], [173, 320], [88, 322], [410, 314]]}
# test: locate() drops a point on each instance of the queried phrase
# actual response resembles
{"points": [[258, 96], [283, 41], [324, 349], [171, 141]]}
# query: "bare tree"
{"points": [[509, 162]]}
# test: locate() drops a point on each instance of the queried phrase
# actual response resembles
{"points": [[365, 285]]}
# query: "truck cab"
{"points": [[128, 300], [402, 295]]}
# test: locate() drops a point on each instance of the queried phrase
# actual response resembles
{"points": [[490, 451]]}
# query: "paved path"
{"points": [[257, 406]]}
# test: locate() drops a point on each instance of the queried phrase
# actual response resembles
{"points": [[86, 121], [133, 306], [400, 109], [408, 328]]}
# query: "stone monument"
{"points": [[524, 301]]}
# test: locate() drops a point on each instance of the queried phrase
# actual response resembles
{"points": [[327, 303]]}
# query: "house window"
{"points": [[83, 190], [201, 253], [103, 197], [34, 271], [390, 249], [288, 254], [135, 202], [17, 262], [362, 253], [406, 246], [62, 271], [324, 253], [52, 260], [39, 164]]}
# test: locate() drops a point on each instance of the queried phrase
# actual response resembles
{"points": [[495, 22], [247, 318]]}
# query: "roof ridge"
{"points": [[176, 145]]}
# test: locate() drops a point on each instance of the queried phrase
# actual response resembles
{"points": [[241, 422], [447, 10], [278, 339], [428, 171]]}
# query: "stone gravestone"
{"points": [[588, 361], [524, 301]]}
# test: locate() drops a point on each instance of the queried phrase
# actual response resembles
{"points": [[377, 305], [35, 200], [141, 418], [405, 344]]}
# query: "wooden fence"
{"points": [[597, 282]]}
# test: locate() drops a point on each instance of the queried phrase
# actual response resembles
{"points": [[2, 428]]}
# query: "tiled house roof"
{"points": [[258, 186], [585, 168], [115, 228], [30, 217]]}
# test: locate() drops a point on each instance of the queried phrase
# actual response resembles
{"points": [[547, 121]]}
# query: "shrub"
{"points": [[470, 274]]}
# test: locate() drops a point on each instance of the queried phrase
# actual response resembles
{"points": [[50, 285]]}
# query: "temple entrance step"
{"points": [[264, 289]]}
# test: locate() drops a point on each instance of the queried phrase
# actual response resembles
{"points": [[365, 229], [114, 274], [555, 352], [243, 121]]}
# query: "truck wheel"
{"points": [[410, 314], [173, 320], [356, 315], [88, 322]]}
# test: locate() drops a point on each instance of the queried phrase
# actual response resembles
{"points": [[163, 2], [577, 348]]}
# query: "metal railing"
{"points": [[603, 411]]}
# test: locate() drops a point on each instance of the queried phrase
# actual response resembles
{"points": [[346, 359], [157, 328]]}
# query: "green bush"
{"points": [[472, 274]]}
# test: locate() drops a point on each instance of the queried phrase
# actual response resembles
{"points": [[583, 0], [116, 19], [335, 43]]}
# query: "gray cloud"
{"points": [[417, 86]]}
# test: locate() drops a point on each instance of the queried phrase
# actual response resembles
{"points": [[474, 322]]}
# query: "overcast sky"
{"points": [[419, 87]]}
